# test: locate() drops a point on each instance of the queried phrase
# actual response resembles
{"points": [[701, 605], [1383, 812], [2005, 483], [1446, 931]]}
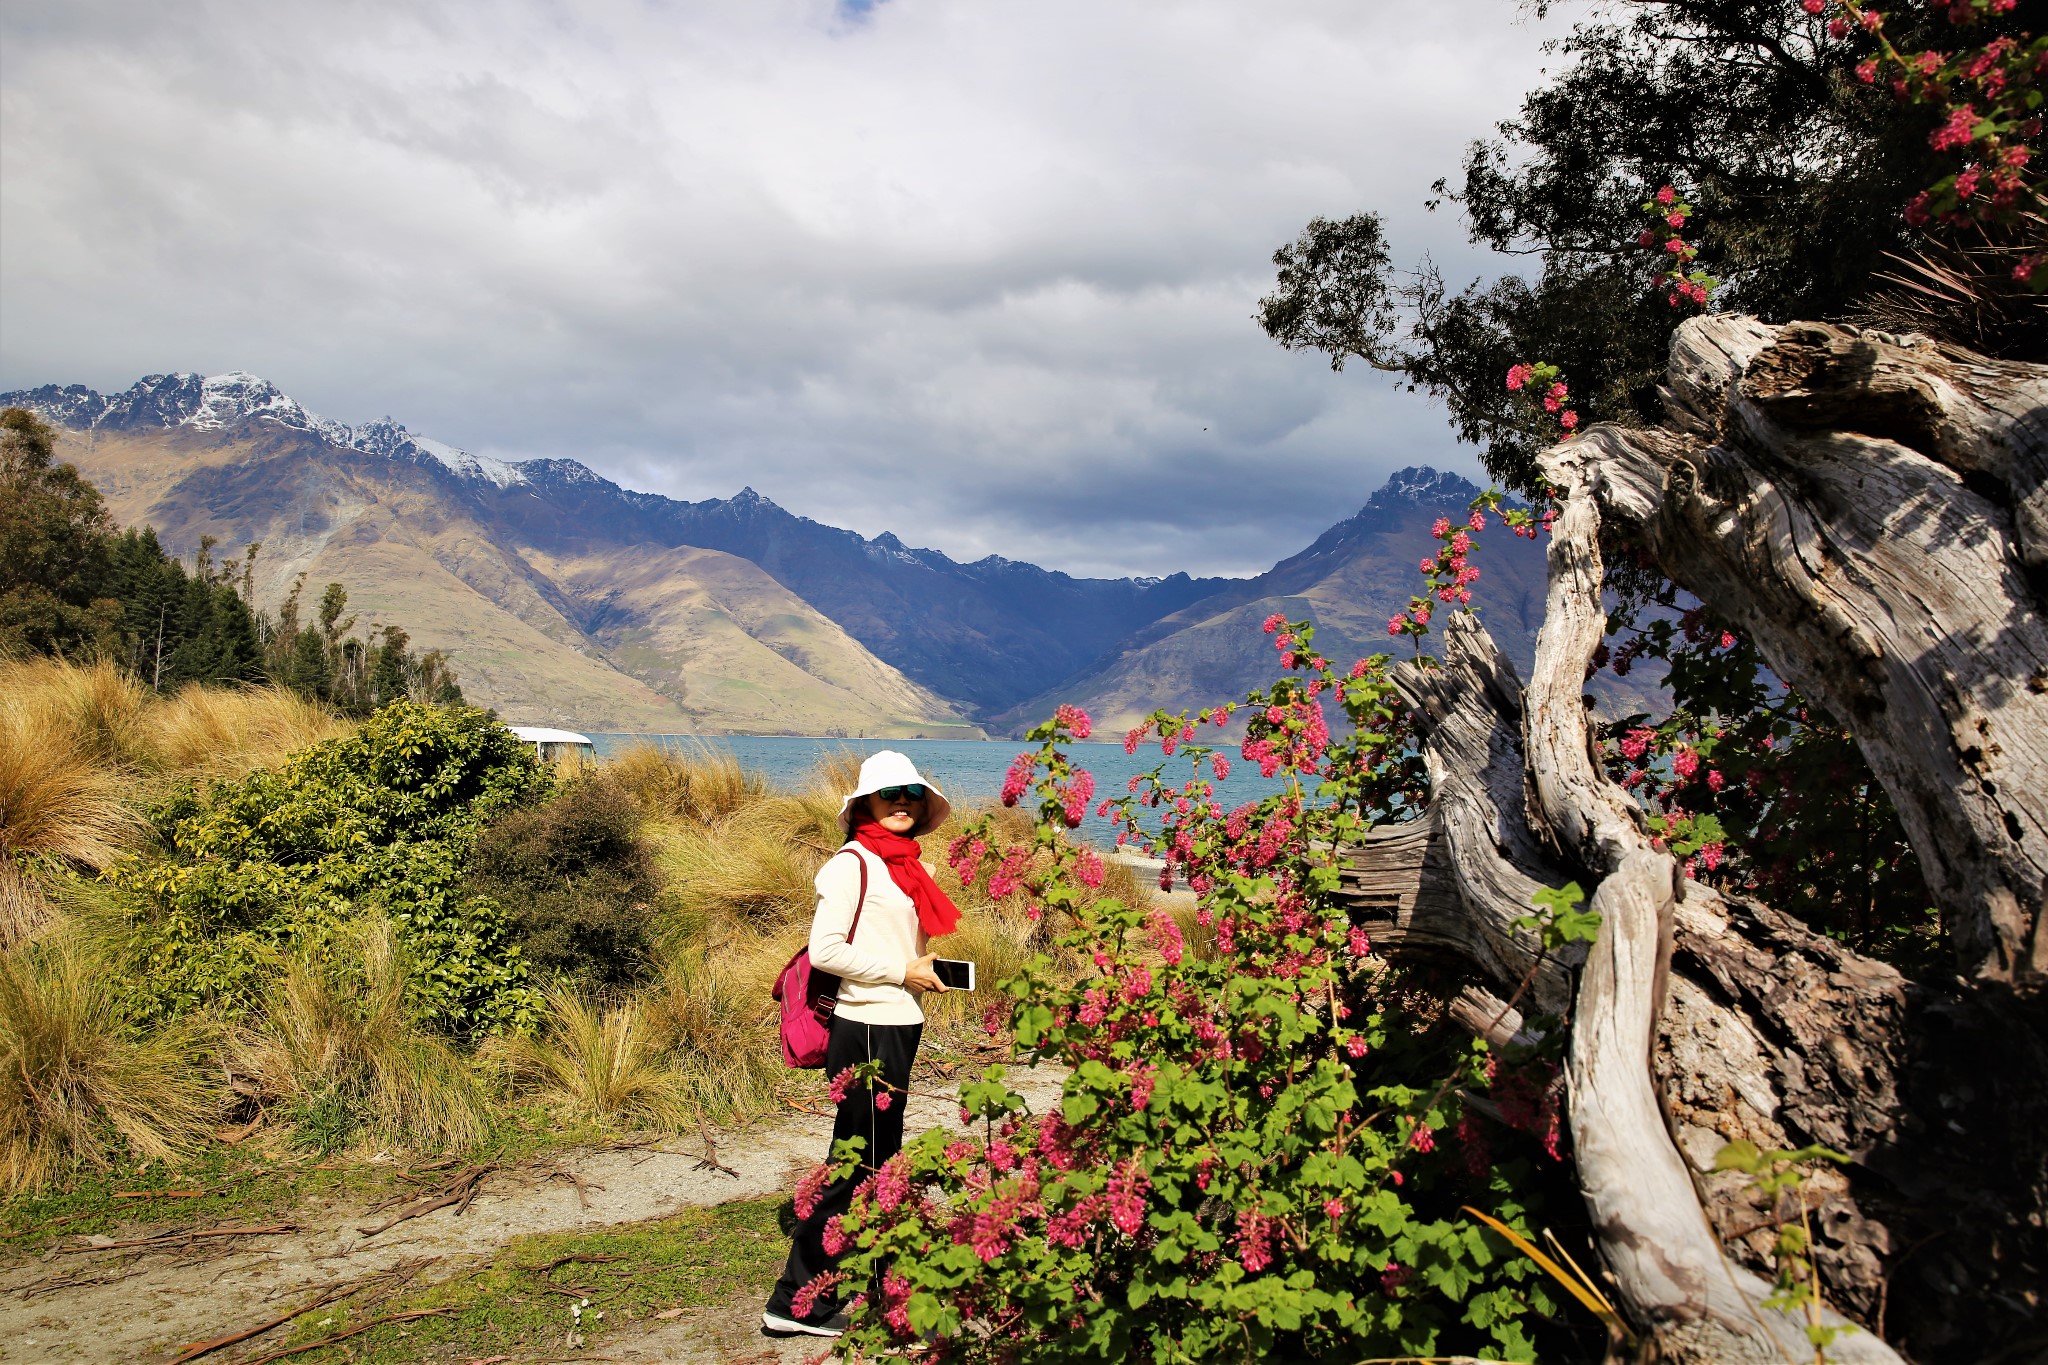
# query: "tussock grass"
{"points": [[599, 1063], [80, 1084], [713, 1016], [24, 909], [343, 1056], [702, 784], [737, 871], [57, 798], [94, 706], [998, 941], [105, 715], [228, 732]]}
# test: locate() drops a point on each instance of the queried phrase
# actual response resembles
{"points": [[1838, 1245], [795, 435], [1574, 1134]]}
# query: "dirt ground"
{"points": [[145, 1306]]}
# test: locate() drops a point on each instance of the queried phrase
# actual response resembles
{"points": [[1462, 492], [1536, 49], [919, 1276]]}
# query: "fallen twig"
{"points": [[458, 1190], [77, 1282], [176, 1239], [583, 1187], [709, 1161], [231, 1136], [807, 1109], [353, 1331], [200, 1348]]}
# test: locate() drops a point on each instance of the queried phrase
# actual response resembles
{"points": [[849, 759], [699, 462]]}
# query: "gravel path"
{"points": [[162, 1300]]}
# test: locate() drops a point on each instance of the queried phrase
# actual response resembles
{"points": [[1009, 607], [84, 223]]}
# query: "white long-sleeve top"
{"points": [[870, 969]]}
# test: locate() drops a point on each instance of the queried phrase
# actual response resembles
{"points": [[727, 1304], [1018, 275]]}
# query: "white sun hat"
{"points": [[888, 768]]}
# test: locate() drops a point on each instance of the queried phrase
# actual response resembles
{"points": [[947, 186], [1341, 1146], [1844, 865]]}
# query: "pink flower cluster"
{"points": [[1076, 795], [1009, 875], [805, 1301], [842, 1083], [1088, 868], [1669, 213], [1128, 1187], [1018, 779], [964, 855], [809, 1188], [1074, 719], [1166, 937], [1255, 1240], [1989, 100]]}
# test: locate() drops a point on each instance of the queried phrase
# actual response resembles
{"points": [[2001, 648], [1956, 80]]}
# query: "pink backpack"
{"points": [[808, 996]]}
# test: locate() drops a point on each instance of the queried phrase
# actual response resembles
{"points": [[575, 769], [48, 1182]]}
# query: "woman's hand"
{"points": [[920, 977]]}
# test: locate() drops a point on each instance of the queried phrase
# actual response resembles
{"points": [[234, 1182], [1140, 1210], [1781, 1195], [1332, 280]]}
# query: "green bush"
{"points": [[575, 882], [380, 821]]}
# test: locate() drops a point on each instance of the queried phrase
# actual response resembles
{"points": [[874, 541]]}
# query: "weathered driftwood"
{"points": [[1873, 511], [1668, 1265]]}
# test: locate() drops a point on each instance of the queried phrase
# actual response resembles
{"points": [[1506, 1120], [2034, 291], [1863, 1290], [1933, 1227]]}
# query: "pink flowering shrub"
{"points": [[1753, 790], [1988, 104], [1252, 1138]]}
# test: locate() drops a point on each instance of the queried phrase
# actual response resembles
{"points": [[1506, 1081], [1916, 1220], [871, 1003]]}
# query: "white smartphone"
{"points": [[955, 973]]}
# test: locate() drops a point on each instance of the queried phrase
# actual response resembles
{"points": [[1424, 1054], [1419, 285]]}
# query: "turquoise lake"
{"points": [[964, 769]]}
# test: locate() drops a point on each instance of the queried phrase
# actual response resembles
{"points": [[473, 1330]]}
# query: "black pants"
{"points": [[852, 1042]]}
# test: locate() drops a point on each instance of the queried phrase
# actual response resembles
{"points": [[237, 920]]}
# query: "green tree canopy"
{"points": [[54, 530], [1797, 170]]}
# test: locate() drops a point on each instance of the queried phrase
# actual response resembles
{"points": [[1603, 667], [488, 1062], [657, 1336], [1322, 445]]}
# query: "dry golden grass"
{"points": [[24, 909], [736, 871], [78, 1083], [57, 799], [114, 721], [227, 732], [328, 1040], [94, 706], [713, 1016], [701, 783], [998, 941], [606, 1065]]}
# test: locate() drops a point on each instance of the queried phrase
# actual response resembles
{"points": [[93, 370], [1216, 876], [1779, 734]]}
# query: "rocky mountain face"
{"points": [[1356, 575], [988, 634]]}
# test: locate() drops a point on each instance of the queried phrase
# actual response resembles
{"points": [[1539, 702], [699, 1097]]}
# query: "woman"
{"points": [[883, 967]]}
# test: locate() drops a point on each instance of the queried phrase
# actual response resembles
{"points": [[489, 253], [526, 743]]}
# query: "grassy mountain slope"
{"points": [[694, 640], [988, 633], [648, 606]]}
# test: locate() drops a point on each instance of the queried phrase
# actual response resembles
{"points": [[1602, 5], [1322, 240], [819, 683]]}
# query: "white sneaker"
{"points": [[777, 1325]]}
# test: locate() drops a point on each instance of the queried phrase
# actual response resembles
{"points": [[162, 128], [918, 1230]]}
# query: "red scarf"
{"points": [[935, 910]]}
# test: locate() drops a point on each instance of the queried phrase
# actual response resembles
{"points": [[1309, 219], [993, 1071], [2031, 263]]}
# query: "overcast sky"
{"points": [[977, 272]]}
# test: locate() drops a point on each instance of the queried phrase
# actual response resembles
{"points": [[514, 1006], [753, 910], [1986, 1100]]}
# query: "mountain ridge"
{"points": [[547, 580], [987, 633]]}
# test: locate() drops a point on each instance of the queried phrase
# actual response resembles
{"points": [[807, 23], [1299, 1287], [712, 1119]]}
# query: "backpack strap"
{"points": [[862, 903]]}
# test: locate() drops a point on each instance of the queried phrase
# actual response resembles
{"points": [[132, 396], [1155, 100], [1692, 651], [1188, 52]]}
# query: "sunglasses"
{"points": [[912, 792]]}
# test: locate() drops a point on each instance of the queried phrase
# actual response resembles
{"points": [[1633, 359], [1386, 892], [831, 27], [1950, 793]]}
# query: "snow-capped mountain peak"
{"points": [[238, 396], [477, 466], [216, 402], [1422, 486]]}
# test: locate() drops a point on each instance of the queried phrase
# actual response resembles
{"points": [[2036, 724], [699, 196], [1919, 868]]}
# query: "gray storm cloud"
{"points": [[980, 274]]}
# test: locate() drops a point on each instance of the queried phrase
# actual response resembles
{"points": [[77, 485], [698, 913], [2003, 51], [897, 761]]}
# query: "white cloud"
{"points": [[978, 273]]}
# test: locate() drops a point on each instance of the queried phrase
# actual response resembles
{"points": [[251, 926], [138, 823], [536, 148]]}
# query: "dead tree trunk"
{"points": [[1891, 566], [1873, 512]]}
